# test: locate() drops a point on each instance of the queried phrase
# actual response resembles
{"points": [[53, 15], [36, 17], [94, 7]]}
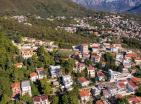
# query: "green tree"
{"points": [[26, 99], [65, 99], [138, 92], [46, 86], [55, 100], [5, 99], [34, 89]]}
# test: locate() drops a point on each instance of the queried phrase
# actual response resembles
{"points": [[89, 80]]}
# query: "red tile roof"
{"points": [[82, 80], [40, 98], [132, 83], [84, 92], [91, 67], [121, 83], [100, 73], [15, 85], [39, 69], [99, 102], [131, 55], [136, 80], [33, 74], [95, 45], [134, 100]]}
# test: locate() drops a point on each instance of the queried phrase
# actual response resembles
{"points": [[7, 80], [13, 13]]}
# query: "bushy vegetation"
{"points": [[41, 7]]}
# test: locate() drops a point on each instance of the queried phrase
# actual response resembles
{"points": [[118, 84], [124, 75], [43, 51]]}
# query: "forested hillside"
{"points": [[41, 7]]}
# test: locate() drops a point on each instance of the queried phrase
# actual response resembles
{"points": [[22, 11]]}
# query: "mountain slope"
{"points": [[136, 9], [41, 7], [109, 5]]}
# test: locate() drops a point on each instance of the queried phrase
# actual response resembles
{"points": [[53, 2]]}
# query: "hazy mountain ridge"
{"points": [[136, 9], [109, 5]]}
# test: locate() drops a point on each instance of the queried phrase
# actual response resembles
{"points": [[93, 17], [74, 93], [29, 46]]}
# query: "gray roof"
{"points": [[25, 83]]}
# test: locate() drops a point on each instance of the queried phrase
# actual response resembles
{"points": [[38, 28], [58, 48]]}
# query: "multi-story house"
{"points": [[91, 71], [67, 82], [16, 89], [115, 76], [33, 76], [42, 99], [84, 95], [41, 73], [83, 81], [55, 71], [26, 88]]}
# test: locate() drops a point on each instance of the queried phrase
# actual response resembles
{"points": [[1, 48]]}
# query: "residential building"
{"points": [[122, 87], [18, 65], [95, 91], [91, 71], [127, 63], [115, 76], [84, 95], [54, 71], [95, 47], [84, 48], [79, 67], [26, 53], [100, 76], [67, 82], [26, 88], [33, 76], [41, 73], [134, 100], [83, 81], [138, 61], [16, 89], [106, 93], [99, 102], [42, 99]]}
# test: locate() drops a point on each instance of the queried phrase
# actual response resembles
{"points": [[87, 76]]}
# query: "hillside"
{"points": [[136, 9], [41, 7]]}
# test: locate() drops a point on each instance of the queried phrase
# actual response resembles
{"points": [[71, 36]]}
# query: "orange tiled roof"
{"points": [[99, 102], [18, 64], [131, 55], [82, 80], [91, 67], [39, 69], [16, 84], [132, 83], [121, 84], [33, 74], [136, 80], [134, 100], [100, 73], [84, 92]]}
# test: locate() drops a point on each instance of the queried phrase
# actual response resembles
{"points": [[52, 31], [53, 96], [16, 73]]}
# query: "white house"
{"points": [[95, 91], [67, 82], [100, 76], [26, 53], [83, 81], [91, 71], [54, 71], [115, 76], [84, 48], [79, 67], [41, 73], [26, 88], [33, 76], [42, 99]]}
